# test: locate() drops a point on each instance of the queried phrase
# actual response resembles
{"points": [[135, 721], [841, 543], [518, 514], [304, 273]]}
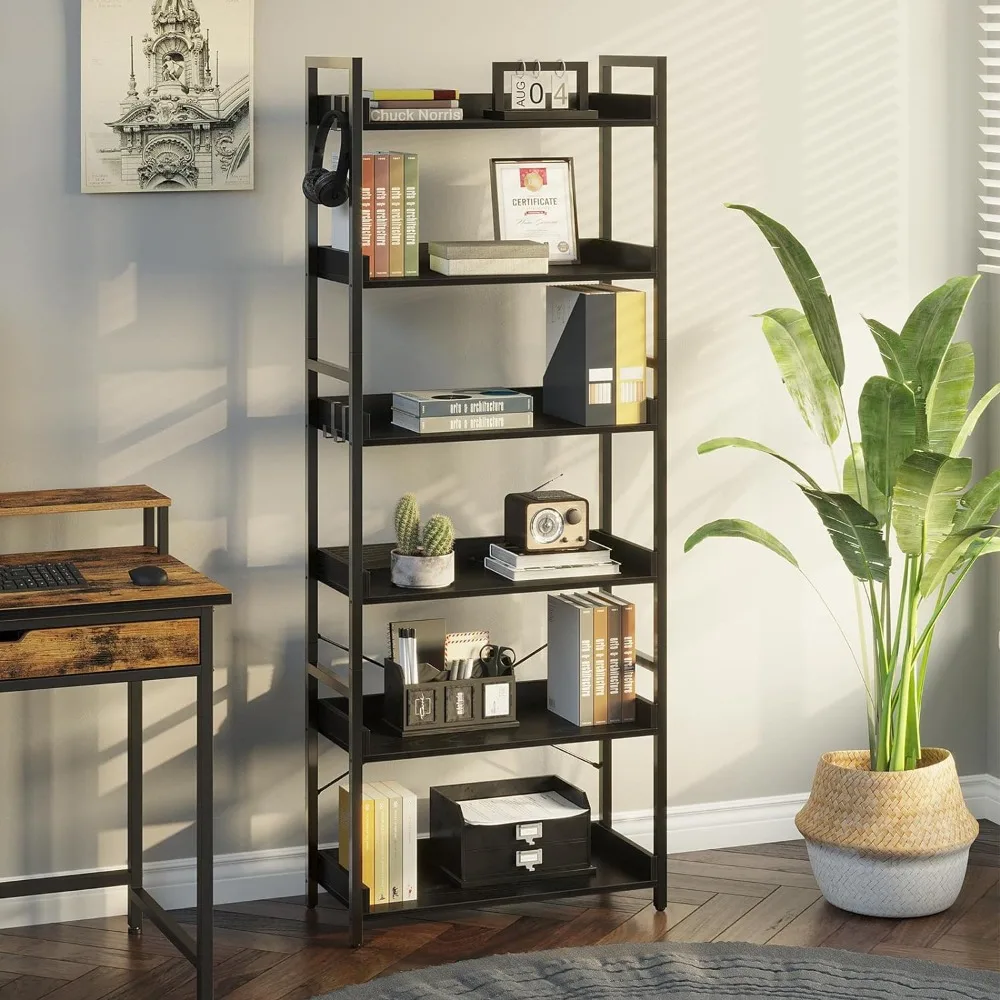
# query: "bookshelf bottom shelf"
{"points": [[621, 866]]}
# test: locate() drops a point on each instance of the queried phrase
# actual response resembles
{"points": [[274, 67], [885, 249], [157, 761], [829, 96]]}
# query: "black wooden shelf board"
{"points": [[472, 578], [538, 727], [380, 430], [622, 866], [600, 260], [614, 110]]}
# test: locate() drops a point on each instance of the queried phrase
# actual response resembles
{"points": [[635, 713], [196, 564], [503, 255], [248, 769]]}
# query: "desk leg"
{"points": [[204, 812], [134, 800]]}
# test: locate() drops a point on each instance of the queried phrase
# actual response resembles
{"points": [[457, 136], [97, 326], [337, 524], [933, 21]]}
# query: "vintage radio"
{"points": [[545, 521]]}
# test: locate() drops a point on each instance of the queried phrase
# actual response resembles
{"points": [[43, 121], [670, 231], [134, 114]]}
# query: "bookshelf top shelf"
{"points": [[614, 110]]}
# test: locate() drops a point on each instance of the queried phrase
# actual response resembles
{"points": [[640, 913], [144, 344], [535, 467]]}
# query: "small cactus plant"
{"points": [[439, 536], [408, 525]]}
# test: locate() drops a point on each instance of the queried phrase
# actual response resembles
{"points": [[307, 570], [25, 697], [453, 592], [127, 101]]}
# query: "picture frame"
{"points": [[535, 199]]}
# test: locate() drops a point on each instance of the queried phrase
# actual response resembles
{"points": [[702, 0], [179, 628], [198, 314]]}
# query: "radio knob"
{"points": [[573, 515]]}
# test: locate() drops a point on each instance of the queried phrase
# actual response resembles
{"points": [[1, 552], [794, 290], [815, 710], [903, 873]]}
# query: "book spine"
{"points": [[563, 685], [380, 203], [463, 408], [415, 114], [586, 667], [368, 843], [630, 360], [409, 845], [628, 662], [381, 849], [411, 215], [411, 94], [344, 828], [600, 665], [393, 105], [395, 215], [395, 847], [443, 425], [367, 192], [488, 265], [614, 664]]}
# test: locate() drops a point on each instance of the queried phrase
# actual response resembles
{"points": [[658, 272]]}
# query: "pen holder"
{"points": [[438, 705]]}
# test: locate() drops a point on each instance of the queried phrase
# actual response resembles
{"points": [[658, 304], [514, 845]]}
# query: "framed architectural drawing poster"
{"points": [[166, 95]]}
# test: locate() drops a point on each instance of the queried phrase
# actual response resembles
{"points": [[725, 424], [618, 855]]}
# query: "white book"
{"points": [[490, 265], [458, 425], [381, 895], [543, 573], [593, 554], [409, 838], [395, 881]]}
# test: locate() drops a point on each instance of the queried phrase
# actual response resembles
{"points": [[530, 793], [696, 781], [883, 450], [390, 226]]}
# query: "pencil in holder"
{"points": [[436, 704]]}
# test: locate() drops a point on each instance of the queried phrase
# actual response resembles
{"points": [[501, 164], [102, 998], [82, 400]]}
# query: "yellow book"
{"points": [[411, 94], [381, 838], [367, 836]]}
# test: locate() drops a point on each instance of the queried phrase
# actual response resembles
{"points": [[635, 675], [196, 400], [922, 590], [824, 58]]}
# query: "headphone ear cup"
{"points": [[311, 182], [330, 190]]}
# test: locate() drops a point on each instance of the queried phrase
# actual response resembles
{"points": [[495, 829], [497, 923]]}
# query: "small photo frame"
{"points": [[536, 200]]}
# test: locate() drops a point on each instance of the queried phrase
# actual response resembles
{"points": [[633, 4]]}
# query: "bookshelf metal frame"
{"points": [[345, 719]]}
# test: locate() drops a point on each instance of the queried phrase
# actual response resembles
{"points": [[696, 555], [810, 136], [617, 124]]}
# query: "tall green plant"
{"points": [[904, 480]]}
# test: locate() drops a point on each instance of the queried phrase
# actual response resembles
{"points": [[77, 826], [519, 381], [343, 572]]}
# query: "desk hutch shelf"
{"points": [[352, 720]]}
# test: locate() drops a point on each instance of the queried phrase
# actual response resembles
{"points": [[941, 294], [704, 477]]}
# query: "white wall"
{"points": [[160, 339]]}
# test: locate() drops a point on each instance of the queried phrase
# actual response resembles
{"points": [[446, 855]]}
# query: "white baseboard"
{"points": [[278, 873]]}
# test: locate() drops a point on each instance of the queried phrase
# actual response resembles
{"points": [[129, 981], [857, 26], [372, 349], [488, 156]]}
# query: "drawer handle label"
{"points": [[528, 859], [529, 832]]}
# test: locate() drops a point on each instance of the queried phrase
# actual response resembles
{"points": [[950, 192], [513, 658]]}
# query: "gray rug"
{"points": [[683, 972]]}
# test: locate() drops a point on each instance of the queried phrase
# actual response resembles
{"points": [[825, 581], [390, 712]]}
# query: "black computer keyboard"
{"points": [[40, 576]]}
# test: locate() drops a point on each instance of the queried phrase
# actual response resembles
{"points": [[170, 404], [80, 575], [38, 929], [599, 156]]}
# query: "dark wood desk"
{"points": [[112, 631]]}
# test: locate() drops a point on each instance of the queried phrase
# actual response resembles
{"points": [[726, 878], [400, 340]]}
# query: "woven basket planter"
{"points": [[888, 843]]}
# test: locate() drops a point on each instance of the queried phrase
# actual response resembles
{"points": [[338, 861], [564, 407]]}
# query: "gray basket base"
{"points": [[898, 887]]}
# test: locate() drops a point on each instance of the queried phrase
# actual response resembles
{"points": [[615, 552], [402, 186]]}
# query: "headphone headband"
{"points": [[330, 187]]}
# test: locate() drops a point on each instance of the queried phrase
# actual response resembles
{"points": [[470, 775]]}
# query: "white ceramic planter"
{"points": [[422, 572]]}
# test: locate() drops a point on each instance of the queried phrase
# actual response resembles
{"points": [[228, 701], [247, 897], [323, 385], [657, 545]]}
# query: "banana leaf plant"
{"points": [[903, 517]]}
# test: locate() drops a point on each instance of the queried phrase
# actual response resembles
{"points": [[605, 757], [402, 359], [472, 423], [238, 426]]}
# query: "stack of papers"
{"points": [[533, 807]]}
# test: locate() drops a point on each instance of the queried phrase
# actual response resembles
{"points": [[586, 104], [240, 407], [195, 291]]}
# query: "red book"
{"points": [[380, 253], [367, 190]]}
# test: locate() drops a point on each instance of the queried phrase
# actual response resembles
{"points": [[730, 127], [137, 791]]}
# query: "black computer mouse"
{"points": [[148, 576]]}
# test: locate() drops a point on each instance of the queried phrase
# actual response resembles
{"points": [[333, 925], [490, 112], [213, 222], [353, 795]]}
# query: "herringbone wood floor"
{"points": [[278, 950]]}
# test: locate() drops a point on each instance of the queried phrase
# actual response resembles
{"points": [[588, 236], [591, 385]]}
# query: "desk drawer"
{"points": [[88, 649]]}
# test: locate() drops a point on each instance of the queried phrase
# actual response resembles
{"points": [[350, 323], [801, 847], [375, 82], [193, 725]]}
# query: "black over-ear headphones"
{"points": [[330, 187]]}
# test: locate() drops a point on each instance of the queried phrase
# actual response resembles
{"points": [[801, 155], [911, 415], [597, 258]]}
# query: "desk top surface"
{"points": [[75, 501], [108, 583]]}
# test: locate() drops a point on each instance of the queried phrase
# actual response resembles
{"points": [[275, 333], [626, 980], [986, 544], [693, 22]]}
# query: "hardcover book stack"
{"points": [[529, 567], [413, 105], [595, 354], [450, 411], [464, 257], [591, 651], [388, 840]]}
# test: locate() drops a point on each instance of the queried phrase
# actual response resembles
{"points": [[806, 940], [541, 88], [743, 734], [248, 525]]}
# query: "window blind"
{"points": [[989, 196]]}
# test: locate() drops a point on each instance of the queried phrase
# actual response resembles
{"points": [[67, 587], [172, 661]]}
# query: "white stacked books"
{"points": [[471, 257], [456, 410], [594, 560]]}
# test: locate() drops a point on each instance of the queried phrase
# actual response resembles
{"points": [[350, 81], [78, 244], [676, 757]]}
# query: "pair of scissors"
{"points": [[497, 660]]}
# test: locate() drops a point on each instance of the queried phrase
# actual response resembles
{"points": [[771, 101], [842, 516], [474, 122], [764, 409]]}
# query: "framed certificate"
{"points": [[536, 200]]}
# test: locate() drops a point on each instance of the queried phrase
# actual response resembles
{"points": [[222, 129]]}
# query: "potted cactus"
{"points": [[422, 560]]}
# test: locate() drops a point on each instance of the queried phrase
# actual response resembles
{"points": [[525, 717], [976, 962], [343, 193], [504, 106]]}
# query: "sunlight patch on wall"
{"points": [[118, 301], [259, 680]]}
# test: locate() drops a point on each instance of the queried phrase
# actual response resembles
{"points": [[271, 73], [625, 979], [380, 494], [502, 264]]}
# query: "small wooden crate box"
{"points": [[527, 851]]}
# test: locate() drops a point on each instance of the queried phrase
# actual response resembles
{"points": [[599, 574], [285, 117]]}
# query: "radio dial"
{"points": [[574, 516]]}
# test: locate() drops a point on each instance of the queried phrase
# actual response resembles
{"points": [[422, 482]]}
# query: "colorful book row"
{"points": [[591, 653], [388, 840], [390, 214]]}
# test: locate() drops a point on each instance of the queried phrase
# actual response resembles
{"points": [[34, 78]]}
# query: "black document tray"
{"points": [[474, 856]]}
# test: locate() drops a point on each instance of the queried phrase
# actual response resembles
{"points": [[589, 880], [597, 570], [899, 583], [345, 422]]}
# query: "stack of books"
{"points": [[530, 567], [591, 654], [465, 257], [447, 411], [413, 105], [388, 840]]}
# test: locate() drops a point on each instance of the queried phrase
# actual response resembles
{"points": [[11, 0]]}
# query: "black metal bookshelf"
{"points": [[353, 720]]}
